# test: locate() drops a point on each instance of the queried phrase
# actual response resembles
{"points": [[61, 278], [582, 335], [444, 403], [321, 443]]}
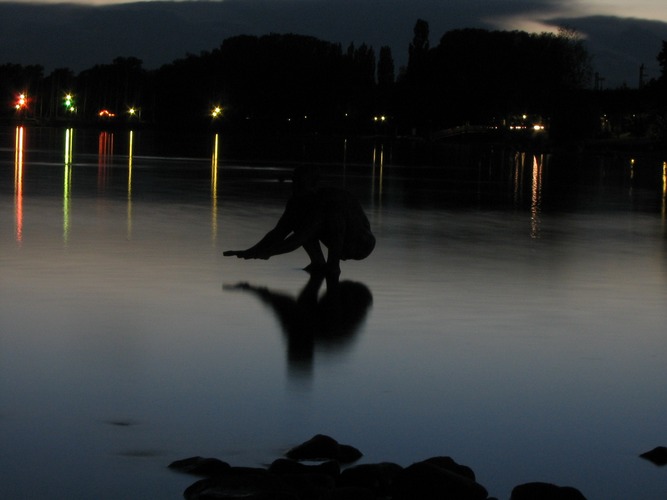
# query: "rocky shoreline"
{"points": [[320, 469]]}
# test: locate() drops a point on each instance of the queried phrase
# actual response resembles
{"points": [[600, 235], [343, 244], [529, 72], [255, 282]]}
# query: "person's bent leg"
{"points": [[314, 251]]}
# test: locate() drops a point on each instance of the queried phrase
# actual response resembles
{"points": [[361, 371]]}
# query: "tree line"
{"points": [[282, 82]]}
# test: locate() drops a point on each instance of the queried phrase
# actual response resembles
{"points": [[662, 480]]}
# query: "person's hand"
{"points": [[256, 254], [247, 254], [233, 253]]}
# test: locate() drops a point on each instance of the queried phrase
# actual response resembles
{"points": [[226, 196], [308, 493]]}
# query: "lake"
{"points": [[512, 315]]}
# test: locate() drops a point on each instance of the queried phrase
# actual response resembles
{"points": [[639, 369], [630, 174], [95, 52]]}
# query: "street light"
{"points": [[216, 112], [68, 102], [21, 101]]}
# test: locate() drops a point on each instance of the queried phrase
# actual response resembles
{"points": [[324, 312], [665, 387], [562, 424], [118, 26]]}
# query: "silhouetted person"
{"points": [[329, 321], [314, 214]]}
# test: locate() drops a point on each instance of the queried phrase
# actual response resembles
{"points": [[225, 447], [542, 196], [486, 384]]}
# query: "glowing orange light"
{"points": [[105, 113], [536, 197]]}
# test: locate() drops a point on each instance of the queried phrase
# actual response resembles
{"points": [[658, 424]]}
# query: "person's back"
{"points": [[344, 220]]}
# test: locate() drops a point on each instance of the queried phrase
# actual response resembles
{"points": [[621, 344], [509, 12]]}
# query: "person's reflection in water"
{"points": [[309, 322]]}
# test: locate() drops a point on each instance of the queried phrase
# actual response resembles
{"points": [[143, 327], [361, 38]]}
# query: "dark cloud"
{"points": [[620, 46], [159, 32]]}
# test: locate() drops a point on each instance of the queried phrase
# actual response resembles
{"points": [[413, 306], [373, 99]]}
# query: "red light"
{"points": [[21, 101]]}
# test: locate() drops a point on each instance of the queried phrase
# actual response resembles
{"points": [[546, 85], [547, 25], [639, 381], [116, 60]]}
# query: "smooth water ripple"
{"points": [[518, 330]]}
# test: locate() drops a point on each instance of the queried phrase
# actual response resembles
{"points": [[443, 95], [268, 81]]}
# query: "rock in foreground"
{"points": [[657, 455], [321, 447], [437, 478], [545, 491]]}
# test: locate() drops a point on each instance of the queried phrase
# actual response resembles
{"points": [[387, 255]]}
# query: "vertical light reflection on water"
{"points": [[519, 164], [378, 172], [130, 154], [67, 181], [663, 207], [344, 159], [18, 182], [536, 196], [214, 190], [105, 156]]}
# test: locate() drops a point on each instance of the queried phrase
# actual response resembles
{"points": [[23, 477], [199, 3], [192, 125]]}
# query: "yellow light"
{"points": [[214, 189], [130, 154], [217, 111], [69, 142], [67, 184]]}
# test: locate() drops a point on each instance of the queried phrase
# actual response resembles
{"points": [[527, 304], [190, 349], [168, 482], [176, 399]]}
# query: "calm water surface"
{"points": [[512, 316]]}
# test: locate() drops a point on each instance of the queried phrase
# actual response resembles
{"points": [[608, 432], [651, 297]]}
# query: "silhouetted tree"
{"points": [[385, 80], [299, 83], [420, 43], [475, 75], [576, 61], [414, 104], [114, 86], [662, 60], [385, 68], [275, 81], [16, 79], [59, 83]]}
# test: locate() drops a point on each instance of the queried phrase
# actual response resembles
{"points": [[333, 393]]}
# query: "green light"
{"points": [[68, 102]]}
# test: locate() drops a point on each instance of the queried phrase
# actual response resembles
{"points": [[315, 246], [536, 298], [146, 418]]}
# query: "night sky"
{"points": [[620, 35]]}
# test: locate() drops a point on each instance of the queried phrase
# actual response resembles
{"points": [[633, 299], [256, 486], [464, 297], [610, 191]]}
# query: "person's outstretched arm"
{"points": [[263, 248]]}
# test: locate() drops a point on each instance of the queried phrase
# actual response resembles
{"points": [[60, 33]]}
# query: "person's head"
{"points": [[304, 179]]}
